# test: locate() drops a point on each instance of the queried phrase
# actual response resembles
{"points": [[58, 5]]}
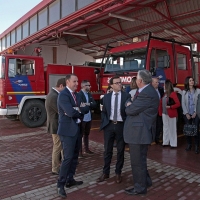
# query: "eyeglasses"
{"points": [[88, 85], [118, 83]]}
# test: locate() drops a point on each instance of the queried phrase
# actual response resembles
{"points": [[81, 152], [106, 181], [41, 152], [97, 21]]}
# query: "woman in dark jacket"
{"points": [[168, 110]]}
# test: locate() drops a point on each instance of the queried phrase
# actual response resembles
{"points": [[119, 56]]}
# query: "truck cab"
{"points": [[20, 83], [164, 58]]}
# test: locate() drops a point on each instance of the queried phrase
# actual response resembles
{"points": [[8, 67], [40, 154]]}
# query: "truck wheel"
{"points": [[33, 114]]}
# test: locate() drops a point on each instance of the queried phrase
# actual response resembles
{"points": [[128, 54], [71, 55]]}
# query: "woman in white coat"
{"points": [[189, 105]]}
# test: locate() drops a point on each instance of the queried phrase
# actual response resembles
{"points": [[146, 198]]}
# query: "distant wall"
{"points": [[65, 55]]}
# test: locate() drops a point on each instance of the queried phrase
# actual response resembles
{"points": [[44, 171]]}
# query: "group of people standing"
{"points": [[176, 107], [136, 119]]}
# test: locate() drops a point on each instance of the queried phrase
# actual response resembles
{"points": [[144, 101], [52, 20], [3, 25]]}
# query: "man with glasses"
{"points": [[86, 98], [112, 122]]}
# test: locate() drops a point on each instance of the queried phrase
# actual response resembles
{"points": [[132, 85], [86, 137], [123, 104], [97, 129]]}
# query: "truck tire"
{"points": [[33, 113]]}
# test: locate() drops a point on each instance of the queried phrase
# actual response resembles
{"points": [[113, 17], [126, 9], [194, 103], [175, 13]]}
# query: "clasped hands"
{"points": [[189, 117]]}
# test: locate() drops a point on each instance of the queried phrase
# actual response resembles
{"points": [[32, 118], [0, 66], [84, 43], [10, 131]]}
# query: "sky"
{"points": [[12, 10]]}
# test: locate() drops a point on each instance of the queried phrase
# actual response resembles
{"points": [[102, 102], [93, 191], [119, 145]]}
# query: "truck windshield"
{"points": [[126, 61], [2, 67]]}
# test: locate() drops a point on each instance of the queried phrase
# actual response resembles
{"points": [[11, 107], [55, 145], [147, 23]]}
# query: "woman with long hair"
{"points": [[133, 86], [189, 105], [168, 110]]}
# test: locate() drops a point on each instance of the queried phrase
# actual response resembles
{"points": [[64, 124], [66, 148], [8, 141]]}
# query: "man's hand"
{"points": [[128, 103], [82, 104], [167, 107]]}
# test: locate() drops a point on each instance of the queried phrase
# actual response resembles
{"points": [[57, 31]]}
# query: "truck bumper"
{"points": [[10, 111]]}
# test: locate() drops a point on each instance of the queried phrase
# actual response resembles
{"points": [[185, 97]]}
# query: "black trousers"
{"points": [[71, 146], [189, 138], [113, 132], [159, 126], [85, 131], [138, 156]]}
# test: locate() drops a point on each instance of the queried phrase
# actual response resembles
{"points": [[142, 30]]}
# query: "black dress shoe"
{"points": [[55, 173], [189, 147], [88, 152], [149, 185], [61, 192], [132, 191], [73, 183]]}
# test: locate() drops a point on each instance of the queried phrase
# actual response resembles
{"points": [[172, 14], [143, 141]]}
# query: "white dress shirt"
{"points": [[119, 118]]}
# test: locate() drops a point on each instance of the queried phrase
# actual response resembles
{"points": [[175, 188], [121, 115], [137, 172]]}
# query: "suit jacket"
{"points": [[105, 114], [172, 111], [161, 91], [141, 115], [185, 100], [52, 111], [92, 102], [68, 116]]}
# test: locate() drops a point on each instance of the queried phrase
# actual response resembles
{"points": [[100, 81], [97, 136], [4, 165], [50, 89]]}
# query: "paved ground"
{"points": [[25, 169]]}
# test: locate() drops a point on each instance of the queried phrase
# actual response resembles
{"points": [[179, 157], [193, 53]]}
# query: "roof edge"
{"points": [[28, 15]]}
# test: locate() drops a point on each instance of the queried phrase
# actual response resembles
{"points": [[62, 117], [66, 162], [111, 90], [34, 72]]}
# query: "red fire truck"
{"points": [[162, 57], [24, 83]]}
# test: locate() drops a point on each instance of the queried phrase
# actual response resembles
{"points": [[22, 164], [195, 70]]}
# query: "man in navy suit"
{"points": [[113, 116], [71, 110]]}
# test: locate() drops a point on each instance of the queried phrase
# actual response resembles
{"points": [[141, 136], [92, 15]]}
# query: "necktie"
{"points": [[74, 96], [115, 107], [136, 94]]}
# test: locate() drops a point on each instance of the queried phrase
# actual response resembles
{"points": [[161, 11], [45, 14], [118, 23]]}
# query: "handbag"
{"points": [[190, 129], [170, 101]]}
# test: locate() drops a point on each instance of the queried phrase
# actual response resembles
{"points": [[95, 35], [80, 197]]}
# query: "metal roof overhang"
{"points": [[156, 16]]}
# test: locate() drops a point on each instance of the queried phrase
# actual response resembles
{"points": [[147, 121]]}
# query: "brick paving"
{"points": [[25, 169]]}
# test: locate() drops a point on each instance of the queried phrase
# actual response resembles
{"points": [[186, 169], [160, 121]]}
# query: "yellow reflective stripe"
{"points": [[40, 92], [104, 86]]}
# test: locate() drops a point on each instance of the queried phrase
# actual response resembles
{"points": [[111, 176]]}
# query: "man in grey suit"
{"points": [[141, 115], [52, 123]]}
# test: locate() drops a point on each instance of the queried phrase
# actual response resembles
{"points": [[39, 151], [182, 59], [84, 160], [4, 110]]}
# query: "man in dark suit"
{"points": [[141, 114], [86, 123], [112, 122], [71, 111], [158, 125], [52, 123]]}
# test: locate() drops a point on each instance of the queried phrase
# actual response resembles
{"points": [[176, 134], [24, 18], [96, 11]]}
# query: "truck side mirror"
{"points": [[96, 71]]}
